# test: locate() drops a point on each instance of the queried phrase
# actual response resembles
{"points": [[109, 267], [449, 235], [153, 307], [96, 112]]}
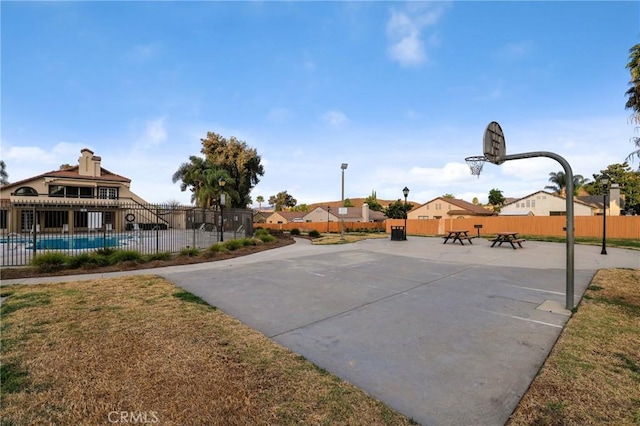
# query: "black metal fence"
{"points": [[27, 229]]}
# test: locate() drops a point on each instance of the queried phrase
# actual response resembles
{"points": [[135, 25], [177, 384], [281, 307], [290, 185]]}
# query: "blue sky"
{"points": [[402, 92]]}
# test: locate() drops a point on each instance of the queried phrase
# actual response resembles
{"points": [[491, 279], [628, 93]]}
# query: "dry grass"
{"points": [[592, 375], [348, 238], [72, 353]]}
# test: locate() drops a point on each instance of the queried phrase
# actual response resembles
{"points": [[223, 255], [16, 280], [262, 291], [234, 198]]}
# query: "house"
{"points": [[260, 216], [81, 198], [329, 214], [544, 203], [353, 214], [615, 202], [285, 217], [443, 207]]}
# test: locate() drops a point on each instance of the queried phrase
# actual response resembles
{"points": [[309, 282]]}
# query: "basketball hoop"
{"points": [[475, 164]]}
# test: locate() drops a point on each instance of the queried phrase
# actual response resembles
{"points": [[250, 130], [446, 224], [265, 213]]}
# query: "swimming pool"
{"points": [[75, 242]]}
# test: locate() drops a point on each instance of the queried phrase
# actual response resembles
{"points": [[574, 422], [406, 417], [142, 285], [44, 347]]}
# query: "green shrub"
{"points": [[106, 251], [79, 260], [50, 261], [217, 248], [314, 234], [247, 242], [259, 231], [233, 244], [190, 251], [266, 238], [163, 255], [125, 256], [295, 231], [96, 259]]}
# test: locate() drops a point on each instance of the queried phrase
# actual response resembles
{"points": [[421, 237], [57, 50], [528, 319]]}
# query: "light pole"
{"points": [[343, 167], [604, 180], [405, 191], [222, 183], [328, 217]]}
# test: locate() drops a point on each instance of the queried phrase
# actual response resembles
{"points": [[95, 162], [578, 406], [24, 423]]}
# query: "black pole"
{"points": [[221, 224], [604, 223], [405, 216], [328, 212]]}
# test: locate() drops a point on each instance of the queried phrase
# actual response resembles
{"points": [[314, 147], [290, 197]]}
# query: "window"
{"points": [[26, 191], [56, 191], [86, 192], [3, 219], [533, 203], [423, 217], [80, 219], [55, 219], [528, 203], [72, 192], [106, 192]]}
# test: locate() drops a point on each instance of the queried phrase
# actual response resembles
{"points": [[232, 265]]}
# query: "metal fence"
{"points": [[27, 229]]}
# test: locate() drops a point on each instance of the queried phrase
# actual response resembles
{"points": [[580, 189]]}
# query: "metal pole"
{"points": [[405, 217], [342, 216], [570, 222], [328, 212], [221, 223], [604, 223]]}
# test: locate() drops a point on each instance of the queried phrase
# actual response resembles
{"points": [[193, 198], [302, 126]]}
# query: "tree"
{"points": [[397, 210], [347, 203], [66, 166], [282, 200], [372, 201], [559, 181], [626, 178], [496, 199], [448, 196], [241, 162], [633, 96], [202, 178], [260, 200], [300, 208], [191, 175], [4, 176], [475, 201]]}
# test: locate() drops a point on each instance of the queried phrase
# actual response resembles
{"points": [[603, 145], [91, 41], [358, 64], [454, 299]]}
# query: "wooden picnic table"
{"points": [[507, 237], [457, 235]]}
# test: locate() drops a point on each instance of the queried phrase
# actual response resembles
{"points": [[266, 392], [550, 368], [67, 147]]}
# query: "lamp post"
{"points": [[222, 183], [343, 167], [405, 191], [328, 217], [604, 180]]}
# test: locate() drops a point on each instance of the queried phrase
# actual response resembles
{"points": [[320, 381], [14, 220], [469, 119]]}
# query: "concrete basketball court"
{"points": [[443, 333]]}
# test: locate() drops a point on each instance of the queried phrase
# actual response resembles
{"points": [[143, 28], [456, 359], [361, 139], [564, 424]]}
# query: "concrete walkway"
{"points": [[446, 334]]}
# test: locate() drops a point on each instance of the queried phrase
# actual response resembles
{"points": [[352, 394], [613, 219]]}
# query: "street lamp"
{"points": [[343, 167], [222, 183], [604, 180], [405, 191], [328, 217]]}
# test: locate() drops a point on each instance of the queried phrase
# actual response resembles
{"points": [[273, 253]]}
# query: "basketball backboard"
{"points": [[494, 144]]}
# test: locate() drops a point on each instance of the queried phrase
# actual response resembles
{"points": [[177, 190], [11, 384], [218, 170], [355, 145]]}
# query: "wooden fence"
{"points": [[585, 226]]}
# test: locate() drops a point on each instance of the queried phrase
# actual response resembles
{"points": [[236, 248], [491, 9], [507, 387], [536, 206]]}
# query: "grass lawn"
{"points": [[90, 352], [592, 375]]}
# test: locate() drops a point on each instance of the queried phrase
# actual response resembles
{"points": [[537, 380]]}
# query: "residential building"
{"points": [[544, 203], [80, 198], [443, 207]]}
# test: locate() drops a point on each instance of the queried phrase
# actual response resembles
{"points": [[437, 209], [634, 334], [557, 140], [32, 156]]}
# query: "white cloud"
{"points": [[155, 133], [405, 31], [335, 118]]}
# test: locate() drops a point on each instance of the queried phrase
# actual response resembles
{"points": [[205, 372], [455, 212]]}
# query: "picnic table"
{"points": [[507, 237], [457, 235]]}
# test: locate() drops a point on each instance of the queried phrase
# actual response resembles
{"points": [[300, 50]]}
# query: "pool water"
{"points": [[75, 242]]}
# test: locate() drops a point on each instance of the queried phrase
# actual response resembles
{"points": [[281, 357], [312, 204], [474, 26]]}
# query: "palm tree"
{"points": [[559, 181], [633, 94], [209, 194], [260, 200], [4, 176], [202, 177]]}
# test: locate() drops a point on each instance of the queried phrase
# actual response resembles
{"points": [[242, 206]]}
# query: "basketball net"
{"points": [[475, 164]]}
